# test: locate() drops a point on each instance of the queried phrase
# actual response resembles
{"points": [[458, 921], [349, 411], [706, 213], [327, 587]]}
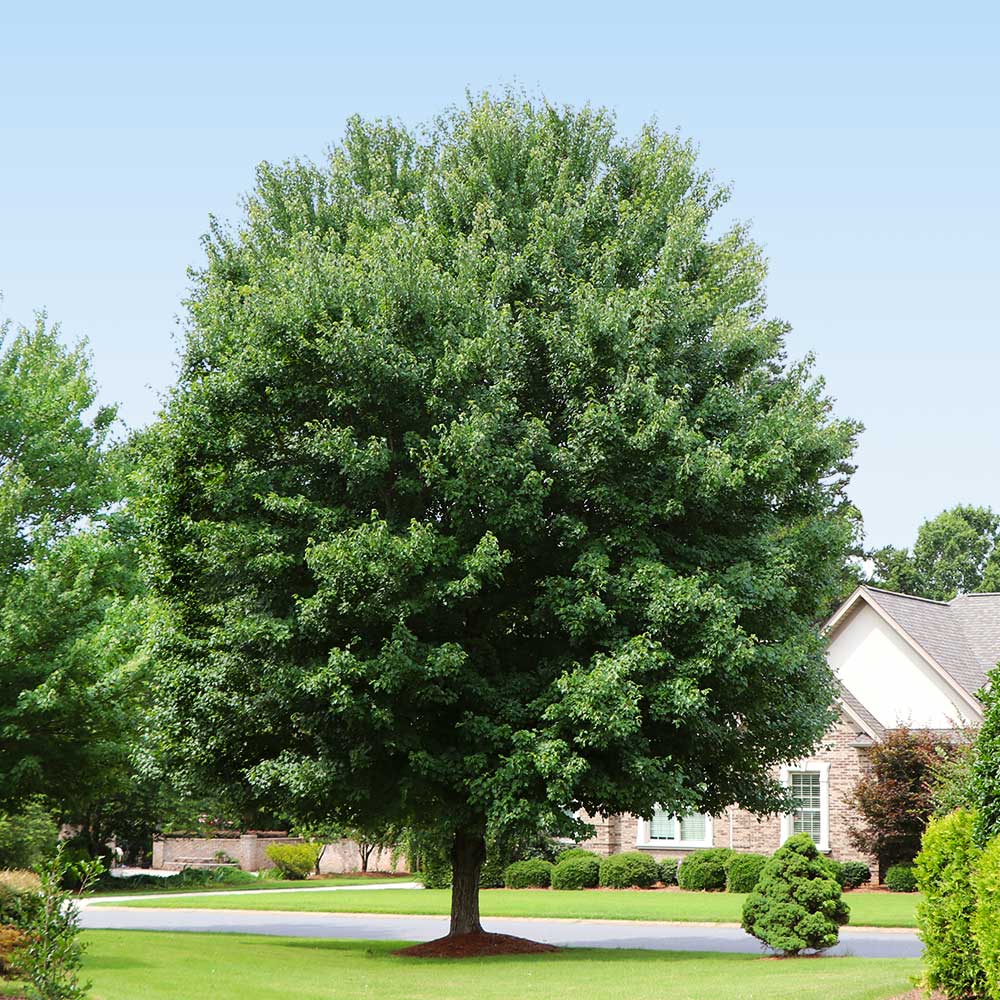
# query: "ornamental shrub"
{"points": [[901, 878], [743, 871], [629, 870], [576, 852], [28, 836], [576, 873], [797, 905], [705, 871], [294, 861], [668, 871], [853, 874], [437, 870], [532, 873], [944, 870], [986, 921], [986, 765]]}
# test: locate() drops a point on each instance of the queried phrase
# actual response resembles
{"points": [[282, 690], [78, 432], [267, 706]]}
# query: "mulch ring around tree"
{"points": [[477, 945]]}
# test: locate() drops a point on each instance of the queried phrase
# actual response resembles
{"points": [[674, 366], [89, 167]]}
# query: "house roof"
{"points": [[961, 637]]}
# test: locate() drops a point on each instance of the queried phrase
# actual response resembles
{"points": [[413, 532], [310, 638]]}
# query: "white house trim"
{"points": [[856, 719], [642, 838], [804, 766]]}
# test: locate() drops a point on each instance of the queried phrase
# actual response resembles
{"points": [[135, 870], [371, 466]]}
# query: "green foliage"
{"points": [[986, 764], [944, 870], [436, 872], [575, 852], [797, 905], [532, 873], [853, 874], [294, 861], [955, 553], [576, 872], [893, 798], [743, 871], [986, 919], [187, 878], [28, 836], [705, 870], [952, 779], [901, 878], [668, 871], [50, 961], [487, 491], [628, 870]]}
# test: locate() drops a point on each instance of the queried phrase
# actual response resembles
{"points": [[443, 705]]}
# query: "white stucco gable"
{"points": [[891, 675]]}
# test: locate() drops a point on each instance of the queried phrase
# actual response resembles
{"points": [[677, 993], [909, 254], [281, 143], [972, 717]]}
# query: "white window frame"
{"points": [[801, 767], [643, 839]]}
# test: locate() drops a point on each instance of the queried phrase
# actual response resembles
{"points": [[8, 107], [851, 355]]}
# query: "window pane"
{"points": [[805, 786], [694, 827], [662, 826]]}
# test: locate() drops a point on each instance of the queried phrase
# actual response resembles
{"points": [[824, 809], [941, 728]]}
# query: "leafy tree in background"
{"points": [[486, 491], [70, 612], [955, 553]]}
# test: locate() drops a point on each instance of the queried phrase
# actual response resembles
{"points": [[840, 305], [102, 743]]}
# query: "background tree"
{"points": [[486, 491], [895, 798], [70, 610], [955, 553]]}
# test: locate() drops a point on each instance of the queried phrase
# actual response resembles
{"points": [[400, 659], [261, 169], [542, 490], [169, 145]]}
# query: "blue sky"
{"points": [[862, 142]]}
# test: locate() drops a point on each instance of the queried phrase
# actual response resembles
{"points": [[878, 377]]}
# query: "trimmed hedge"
{"points": [[629, 870], [705, 871], [576, 873], [668, 871], [437, 871], [534, 873], [901, 878], [797, 904], [986, 922], [294, 861], [853, 874], [743, 871], [576, 852], [944, 869]]}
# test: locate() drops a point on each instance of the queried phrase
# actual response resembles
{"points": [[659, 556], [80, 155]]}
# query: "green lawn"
{"points": [[261, 883], [126, 965], [867, 909]]}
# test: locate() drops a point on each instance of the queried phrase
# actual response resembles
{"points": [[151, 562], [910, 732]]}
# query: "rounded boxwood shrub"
{"points": [[294, 861], [705, 871], [629, 870], [797, 905], [948, 856], [533, 873], [743, 871], [576, 873], [668, 871], [901, 878], [986, 922], [576, 852], [853, 874]]}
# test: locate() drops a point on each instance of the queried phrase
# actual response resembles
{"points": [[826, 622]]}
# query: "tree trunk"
{"points": [[467, 856]]}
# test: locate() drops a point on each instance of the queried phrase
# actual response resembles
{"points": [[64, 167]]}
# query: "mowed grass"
{"points": [[868, 909], [261, 883], [127, 965]]}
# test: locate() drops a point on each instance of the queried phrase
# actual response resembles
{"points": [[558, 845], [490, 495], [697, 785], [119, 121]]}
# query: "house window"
{"points": [[669, 831], [809, 783]]}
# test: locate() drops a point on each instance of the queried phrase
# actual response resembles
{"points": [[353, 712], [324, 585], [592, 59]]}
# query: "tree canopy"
{"points": [[487, 491], [955, 553]]}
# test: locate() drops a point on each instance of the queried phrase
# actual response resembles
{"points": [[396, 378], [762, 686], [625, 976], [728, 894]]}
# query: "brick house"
{"points": [[900, 660]]}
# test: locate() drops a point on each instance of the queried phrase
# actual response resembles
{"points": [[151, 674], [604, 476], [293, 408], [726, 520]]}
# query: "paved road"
{"points": [[568, 933]]}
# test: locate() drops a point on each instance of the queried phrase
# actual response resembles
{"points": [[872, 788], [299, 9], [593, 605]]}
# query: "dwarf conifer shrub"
{"points": [[629, 870], [944, 870], [797, 905], [986, 921], [901, 878], [533, 873], [705, 871], [668, 871], [743, 871], [576, 873]]}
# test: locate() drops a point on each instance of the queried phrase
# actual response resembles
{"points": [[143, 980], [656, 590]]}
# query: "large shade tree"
{"points": [[487, 493]]}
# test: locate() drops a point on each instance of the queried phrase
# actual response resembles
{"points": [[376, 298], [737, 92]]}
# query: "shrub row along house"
{"points": [[900, 660]]}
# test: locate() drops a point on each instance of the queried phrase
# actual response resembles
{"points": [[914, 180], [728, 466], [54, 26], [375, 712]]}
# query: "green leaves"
{"points": [[486, 491]]}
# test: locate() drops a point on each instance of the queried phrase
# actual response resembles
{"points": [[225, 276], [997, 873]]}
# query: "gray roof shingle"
{"points": [[961, 635]]}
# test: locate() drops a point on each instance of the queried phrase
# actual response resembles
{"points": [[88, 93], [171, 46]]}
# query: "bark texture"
{"points": [[467, 856]]}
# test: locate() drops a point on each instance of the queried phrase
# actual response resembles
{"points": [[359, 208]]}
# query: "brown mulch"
{"points": [[475, 946]]}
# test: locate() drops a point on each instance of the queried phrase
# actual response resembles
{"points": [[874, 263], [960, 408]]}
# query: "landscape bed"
{"points": [[125, 965], [868, 909], [108, 889]]}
